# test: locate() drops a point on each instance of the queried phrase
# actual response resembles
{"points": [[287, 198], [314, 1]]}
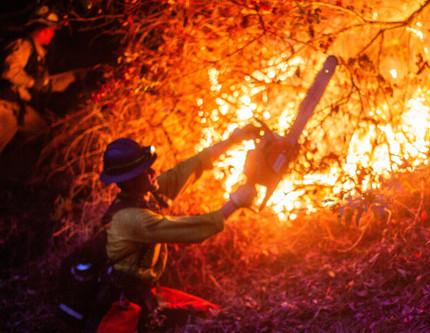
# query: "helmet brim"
{"points": [[107, 178]]}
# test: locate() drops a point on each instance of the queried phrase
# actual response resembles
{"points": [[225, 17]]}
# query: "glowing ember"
{"points": [[378, 149]]}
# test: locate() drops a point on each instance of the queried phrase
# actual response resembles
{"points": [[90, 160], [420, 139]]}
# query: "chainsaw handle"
{"points": [[251, 183], [267, 196]]}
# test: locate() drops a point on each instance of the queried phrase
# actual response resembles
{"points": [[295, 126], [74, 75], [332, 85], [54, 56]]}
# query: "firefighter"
{"points": [[139, 231], [24, 78]]}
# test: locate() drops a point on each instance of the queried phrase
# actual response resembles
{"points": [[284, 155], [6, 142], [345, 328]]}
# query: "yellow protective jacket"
{"points": [[25, 63], [146, 232], [15, 63]]}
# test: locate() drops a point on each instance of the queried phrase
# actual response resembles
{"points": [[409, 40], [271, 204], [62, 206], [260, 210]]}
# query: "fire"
{"points": [[391, 134], [379, 149]]}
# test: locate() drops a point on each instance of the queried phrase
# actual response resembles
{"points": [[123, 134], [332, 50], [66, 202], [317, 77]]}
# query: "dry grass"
{"points": [[319, 275]]}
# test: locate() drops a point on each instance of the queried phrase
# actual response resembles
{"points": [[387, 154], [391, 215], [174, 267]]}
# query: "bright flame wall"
{"points": [[378, 148]]}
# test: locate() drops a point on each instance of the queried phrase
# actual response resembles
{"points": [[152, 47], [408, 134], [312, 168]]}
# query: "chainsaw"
{"points": [[267, 164]]}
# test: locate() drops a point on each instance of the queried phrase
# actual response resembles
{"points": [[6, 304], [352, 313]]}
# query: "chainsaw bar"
{"points": [[306, 108], [311, 100], [267, 163]]}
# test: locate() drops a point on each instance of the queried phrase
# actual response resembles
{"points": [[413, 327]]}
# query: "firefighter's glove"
{"points": [[42, 84], [243, 196], [61, 81], [248, 132]]}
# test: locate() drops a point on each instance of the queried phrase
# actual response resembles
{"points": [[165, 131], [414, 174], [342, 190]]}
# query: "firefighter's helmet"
{"points": [[125, 159], [43, 16]]}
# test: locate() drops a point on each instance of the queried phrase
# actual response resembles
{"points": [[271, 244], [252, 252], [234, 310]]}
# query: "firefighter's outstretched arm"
{"points": [[143, 225], [174, 180], [60, 82], [240, 134]]}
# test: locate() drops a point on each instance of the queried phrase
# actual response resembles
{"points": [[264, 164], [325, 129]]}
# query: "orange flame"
{"points": [[380, 149]]}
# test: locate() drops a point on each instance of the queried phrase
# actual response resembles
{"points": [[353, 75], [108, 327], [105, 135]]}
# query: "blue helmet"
{"points": [[125, 159]]}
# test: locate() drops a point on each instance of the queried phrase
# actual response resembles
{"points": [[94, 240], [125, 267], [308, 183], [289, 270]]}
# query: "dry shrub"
{"points": [[182, 58]]}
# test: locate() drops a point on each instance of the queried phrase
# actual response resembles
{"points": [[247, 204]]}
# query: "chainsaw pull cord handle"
{"points": [[276, 166], [267, 136]]}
